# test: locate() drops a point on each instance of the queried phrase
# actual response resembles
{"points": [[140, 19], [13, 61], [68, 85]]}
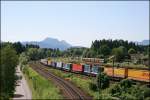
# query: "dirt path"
{"points": [[22, 88]]}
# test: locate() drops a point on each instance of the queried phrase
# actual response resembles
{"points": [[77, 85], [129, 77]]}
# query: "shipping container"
{"points": [[141, 75], [116, 72], [59, 65], [87, 68], [44, 61], [77, 68], [95, 69], [119, 72], [49, 62], [67, 66], [108, 71], [53, 64]]}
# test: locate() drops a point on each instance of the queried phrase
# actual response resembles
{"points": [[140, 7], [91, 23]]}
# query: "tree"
{"points": [[41, 53], [33, 53], [9, 61], [105, 50], [91, 53], [124, 50], [48, 53], [31, 46], [126, 83], [148, 50], [102, 81], [23, 59], [119, 53], [18, 47], [131, 51]]}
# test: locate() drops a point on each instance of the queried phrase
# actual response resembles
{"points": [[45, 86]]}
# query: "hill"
{"points": [[50, 43], [144, 42]]}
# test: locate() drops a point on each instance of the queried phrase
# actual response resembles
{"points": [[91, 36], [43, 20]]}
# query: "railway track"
{"points": [[68, 89]]}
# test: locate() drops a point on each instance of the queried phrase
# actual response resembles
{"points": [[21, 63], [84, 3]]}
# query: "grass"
{"points": [[82, 82], [41, 88]]}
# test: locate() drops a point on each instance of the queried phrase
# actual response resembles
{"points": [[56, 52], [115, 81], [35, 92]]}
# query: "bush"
{"points": [[126, 83], [126, 96], [148, 98], [116, 90], [146, 91], [102, 81], [92, 86], [126, 91]]}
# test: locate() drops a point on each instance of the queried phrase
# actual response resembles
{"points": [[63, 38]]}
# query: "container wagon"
{"points": [[87, 69], [67, 66], [95, 70], [116, 72], [59, 65], [49, 62], [78, 68], [140, 75], [44, 61], [134, 74], [53, 64]]}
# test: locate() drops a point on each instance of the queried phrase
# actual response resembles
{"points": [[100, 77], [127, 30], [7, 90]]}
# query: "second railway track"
{"points": [[69, 90]]}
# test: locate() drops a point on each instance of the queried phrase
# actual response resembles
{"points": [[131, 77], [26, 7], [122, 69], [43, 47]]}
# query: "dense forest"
{"points": [[120, 49]]}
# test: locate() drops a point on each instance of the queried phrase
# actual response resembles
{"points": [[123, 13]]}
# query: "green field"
{"points": [[41, 88]]}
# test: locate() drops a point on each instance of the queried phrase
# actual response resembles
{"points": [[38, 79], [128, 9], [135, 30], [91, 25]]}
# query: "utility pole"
{"points": [[99, 83]]}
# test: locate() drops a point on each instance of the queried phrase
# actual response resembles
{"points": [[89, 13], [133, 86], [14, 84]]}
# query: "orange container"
{"points": [[141, 75], [119, 72], [108, 71]]}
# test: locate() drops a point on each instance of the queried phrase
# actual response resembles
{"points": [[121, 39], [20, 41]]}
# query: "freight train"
{"points": [[142, 75]]}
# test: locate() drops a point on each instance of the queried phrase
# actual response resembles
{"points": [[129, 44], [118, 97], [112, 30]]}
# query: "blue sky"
{"points": [[77, 22]]}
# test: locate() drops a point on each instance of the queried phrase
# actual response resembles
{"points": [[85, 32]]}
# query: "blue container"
{"points": [[95, 69], [87, 68], [67, 66]]}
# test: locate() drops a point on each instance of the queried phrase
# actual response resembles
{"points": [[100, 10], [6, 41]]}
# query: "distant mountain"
{"points": [[50, 43], [144, 42], [78, 47]]}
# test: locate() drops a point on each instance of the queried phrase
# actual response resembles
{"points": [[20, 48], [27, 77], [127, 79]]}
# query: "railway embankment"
{"points": [[41, 88]]}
